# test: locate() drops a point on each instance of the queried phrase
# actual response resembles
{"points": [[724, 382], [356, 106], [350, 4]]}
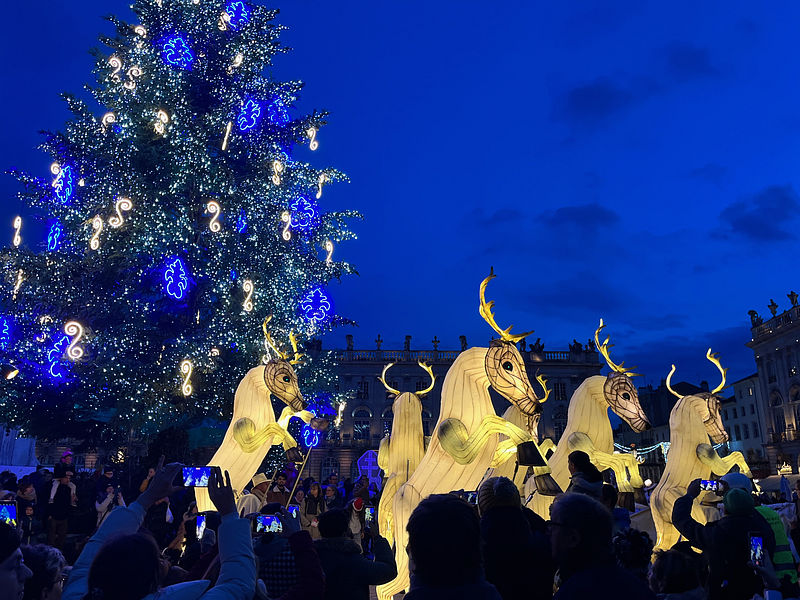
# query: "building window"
{"points": [[395, 386], [756, 433], [794, 393], [771, 378], [426, 422], [386, 418], [745, 431], [559, 422], [363, 390], [739, 393], [780, 422], [775, 398], [734, 412], [752, 409], [330, 466], [724, 415], [560, 391], [738, 434], [361, 418]]}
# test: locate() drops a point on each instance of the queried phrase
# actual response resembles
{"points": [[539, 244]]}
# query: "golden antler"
{"points": [[543, 382], [429, 370], [485, 310], [297, 355], [604, 348], [382, 379], [268, 339], [669, 387], [714, 358]]}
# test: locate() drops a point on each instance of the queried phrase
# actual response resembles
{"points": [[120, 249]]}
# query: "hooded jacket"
{"points": [[579, 484], [237, 576], [348, 574]]}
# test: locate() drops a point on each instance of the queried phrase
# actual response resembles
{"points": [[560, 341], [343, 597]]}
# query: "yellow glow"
{"points": [[115, 62], [134, 71], [97, 225], [224, 19], [604, 350], [248, 289], [214, 209], [338, 420], [162, 118], [227, 135], [81, 182], [329, 249], [120, 205], [714, 358], [311, 132], [277, 169], [485, 310], [17, 227], [75, 331], [55, 168], [286, 217], [237, 61], [18, 284], [214, 352], [139, 30], [186, 370], [108, 119], [323, 178]]}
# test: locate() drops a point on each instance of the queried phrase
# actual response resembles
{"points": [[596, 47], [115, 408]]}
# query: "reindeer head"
{"points": [[407, 401], [279, 375], [708, 405], [619, 391], [505, 367]]}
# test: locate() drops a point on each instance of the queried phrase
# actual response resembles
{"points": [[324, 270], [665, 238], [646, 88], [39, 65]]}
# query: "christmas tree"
{"points": [[177, 220]]}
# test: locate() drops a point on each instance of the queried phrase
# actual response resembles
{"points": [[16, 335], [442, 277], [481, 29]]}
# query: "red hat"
{"points": [[358, 503]]}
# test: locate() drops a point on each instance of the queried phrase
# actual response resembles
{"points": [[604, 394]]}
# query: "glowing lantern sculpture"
{"points": [[589, 429], [400, 452], [693, 420], [467, 440]]}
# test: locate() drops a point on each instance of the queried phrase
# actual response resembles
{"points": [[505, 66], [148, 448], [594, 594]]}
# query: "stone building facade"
{"points": [[368, 418]]}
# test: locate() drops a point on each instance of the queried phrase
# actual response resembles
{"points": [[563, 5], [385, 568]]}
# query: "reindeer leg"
{"points": [[405, 501], [547, 445], [465, 447], [721, 465]]}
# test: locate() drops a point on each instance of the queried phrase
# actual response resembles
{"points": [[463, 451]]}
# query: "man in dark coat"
{"points": [[348, 574], [726, 543]]}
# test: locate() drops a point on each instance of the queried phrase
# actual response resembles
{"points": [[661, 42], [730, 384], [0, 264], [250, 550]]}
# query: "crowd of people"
{"points": [[323, 543]]}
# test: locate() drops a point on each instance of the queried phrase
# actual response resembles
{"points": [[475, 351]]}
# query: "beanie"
{"points": [[9, 540], [738, 502], [738, 481], [497, 491], [358, 503]]}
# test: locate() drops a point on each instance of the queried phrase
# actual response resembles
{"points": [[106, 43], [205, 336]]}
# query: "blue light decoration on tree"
{"points": [[249, 115], [177, 53], [5, 331], [316, 306], [64, 184], [54, 236], [310, 436], [305, 213], [54, 355], [238, 13], [241, 221], [277, 113], [176, 279]]}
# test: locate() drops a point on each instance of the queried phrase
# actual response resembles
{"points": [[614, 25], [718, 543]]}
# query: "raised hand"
{"points": [[161, 485], [220, 491]]}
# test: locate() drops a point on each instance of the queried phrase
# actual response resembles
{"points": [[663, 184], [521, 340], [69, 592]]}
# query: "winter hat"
{"points": [[259, 478], [738, 502], [738, 481], [497, 491], [358, 503], [9, 540]]}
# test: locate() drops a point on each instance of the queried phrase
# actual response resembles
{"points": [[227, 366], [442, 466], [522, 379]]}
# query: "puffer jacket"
{"points": [[237, 576], [579, 484]]}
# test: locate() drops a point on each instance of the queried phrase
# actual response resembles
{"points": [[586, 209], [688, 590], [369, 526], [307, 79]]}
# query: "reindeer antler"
{"points": [[604, 350], [669, 387], [714, 358], [485, 310], [297, 355], [543, 382], [268, 339], [382, 379], [429, 370]]}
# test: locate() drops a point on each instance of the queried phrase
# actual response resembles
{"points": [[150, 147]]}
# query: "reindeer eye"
{"points": [[286, 379], [626, 396], [508, 366]]}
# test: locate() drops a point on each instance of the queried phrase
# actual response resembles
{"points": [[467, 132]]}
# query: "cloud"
{"points": [[583, 291], [686, 62], [587, 217], [712, 172], [590, 104], [768, 216], [478, 217]]}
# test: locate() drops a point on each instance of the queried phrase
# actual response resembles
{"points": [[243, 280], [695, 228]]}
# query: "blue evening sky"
{"points": [[630, 160]]}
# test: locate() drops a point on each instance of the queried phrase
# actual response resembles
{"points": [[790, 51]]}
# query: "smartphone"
{"points": [[8, 512], [200, 526], [710, 485], [369, 516], [196, 476], [267, 523], [471, 497], [756, 550], [294, 510]]}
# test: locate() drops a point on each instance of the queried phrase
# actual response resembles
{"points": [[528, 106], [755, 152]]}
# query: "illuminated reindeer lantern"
{"points": [[589, 429], [401, 452], [693, 420], [253, 429], [467, 441]]}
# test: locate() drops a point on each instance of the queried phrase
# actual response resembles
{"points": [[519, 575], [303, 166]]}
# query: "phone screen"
{"points": [[472, 497], [8, 513], [369, 515], [267, 523], [201, 526], [756, 550], [709, 485], [196, 476], [294, 510]]}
